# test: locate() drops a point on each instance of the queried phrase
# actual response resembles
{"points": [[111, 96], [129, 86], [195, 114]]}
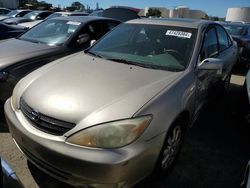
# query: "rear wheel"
{"points": [[226, 83], [223, 87]]}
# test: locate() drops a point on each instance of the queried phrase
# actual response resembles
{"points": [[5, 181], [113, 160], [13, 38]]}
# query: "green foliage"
{"points": [[77, 5], [214, 18], [34, 4], [153, 12]]}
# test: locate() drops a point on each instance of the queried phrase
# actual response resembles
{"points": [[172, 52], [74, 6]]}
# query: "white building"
{"points": [[178, 12], [13, 4], [238, 14]]}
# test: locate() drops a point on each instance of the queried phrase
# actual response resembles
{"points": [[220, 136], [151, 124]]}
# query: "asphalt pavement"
{"points": [[214, 154]]}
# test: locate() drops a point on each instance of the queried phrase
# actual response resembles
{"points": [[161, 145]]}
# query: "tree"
{"points": [[153, 12], [77, 5], [34, 4], [215, 18]]}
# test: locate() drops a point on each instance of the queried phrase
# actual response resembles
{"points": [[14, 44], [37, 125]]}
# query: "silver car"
{"points": [[241, 34], [112, 116], [46, 42], [246, 181]]}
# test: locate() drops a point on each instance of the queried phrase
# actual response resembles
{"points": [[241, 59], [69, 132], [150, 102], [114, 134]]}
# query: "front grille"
{"points": [[43, 122]]}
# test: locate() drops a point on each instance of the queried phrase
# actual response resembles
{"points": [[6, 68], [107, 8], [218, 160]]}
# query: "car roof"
{"points": [[20, 10], [81, 18], [181, 22], [40, 11], [235, 24], [4, 8], [71, 13]]}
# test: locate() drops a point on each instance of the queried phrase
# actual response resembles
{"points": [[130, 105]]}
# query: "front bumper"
{"points": [[80, 166]]}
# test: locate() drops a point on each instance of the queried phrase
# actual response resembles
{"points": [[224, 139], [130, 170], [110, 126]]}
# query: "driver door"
{"points": [[206, 78]]}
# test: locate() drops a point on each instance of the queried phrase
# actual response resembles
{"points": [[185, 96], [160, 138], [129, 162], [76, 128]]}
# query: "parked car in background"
{"points": [[15, 13], [246, 94], [56, 14], [247, 85], [10, 31], [111, 116], [241, 34], [8, 178], [59, 14], [45, 42], [32, 16], [4, 11], [246, 181], [120, 13]]}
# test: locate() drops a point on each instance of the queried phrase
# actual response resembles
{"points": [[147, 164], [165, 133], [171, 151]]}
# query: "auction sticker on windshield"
{"points": [[181, 34]]}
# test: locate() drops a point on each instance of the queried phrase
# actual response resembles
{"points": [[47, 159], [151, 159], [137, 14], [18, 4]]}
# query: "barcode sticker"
{"points": [[181, 34]]}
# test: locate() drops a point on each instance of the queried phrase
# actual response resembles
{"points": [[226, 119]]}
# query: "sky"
{"points": [[211, 7]]}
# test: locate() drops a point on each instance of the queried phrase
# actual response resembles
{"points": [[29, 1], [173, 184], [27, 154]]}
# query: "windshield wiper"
{"points": [[146, 65], [122, 61], [132, 63], [30, 40], [93, 54]]}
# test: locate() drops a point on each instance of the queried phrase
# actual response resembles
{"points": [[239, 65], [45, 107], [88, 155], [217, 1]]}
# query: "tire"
{"points": [[223, 87], [171, 147], [226, 83]]}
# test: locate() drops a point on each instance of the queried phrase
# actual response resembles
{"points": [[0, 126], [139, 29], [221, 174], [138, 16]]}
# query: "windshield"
{"points": [[12, 13], [31, 15], [235, 29], [149, 46], [51, 32]]}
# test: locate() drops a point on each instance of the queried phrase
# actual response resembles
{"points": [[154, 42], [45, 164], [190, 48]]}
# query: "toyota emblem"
{"points": [[35, 116]]}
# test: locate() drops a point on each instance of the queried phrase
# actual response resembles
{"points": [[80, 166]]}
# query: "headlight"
{"points": [[111, 135]]}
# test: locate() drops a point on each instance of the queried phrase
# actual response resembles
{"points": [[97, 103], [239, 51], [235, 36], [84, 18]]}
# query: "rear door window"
{"points": [[21, 14]]}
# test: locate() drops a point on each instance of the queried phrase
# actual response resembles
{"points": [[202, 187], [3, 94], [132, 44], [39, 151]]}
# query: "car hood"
{"points": [[18, 27], [16, 20], [30, 24], [88, 90], [4, 17], [14, 50]]}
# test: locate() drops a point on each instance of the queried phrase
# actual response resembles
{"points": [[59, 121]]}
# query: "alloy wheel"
{"points": [[172, 147]]}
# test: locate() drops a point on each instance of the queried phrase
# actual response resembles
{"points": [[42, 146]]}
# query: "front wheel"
{"points": [[171, 147]]}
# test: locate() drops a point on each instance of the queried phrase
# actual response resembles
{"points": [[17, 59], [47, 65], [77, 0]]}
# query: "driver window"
{"points": [[95, 30], [92, 31], [210, 45]]}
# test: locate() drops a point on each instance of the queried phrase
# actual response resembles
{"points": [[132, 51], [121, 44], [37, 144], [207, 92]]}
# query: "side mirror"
{"points": [[211, 64], [92, 42], [83, 38]]}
